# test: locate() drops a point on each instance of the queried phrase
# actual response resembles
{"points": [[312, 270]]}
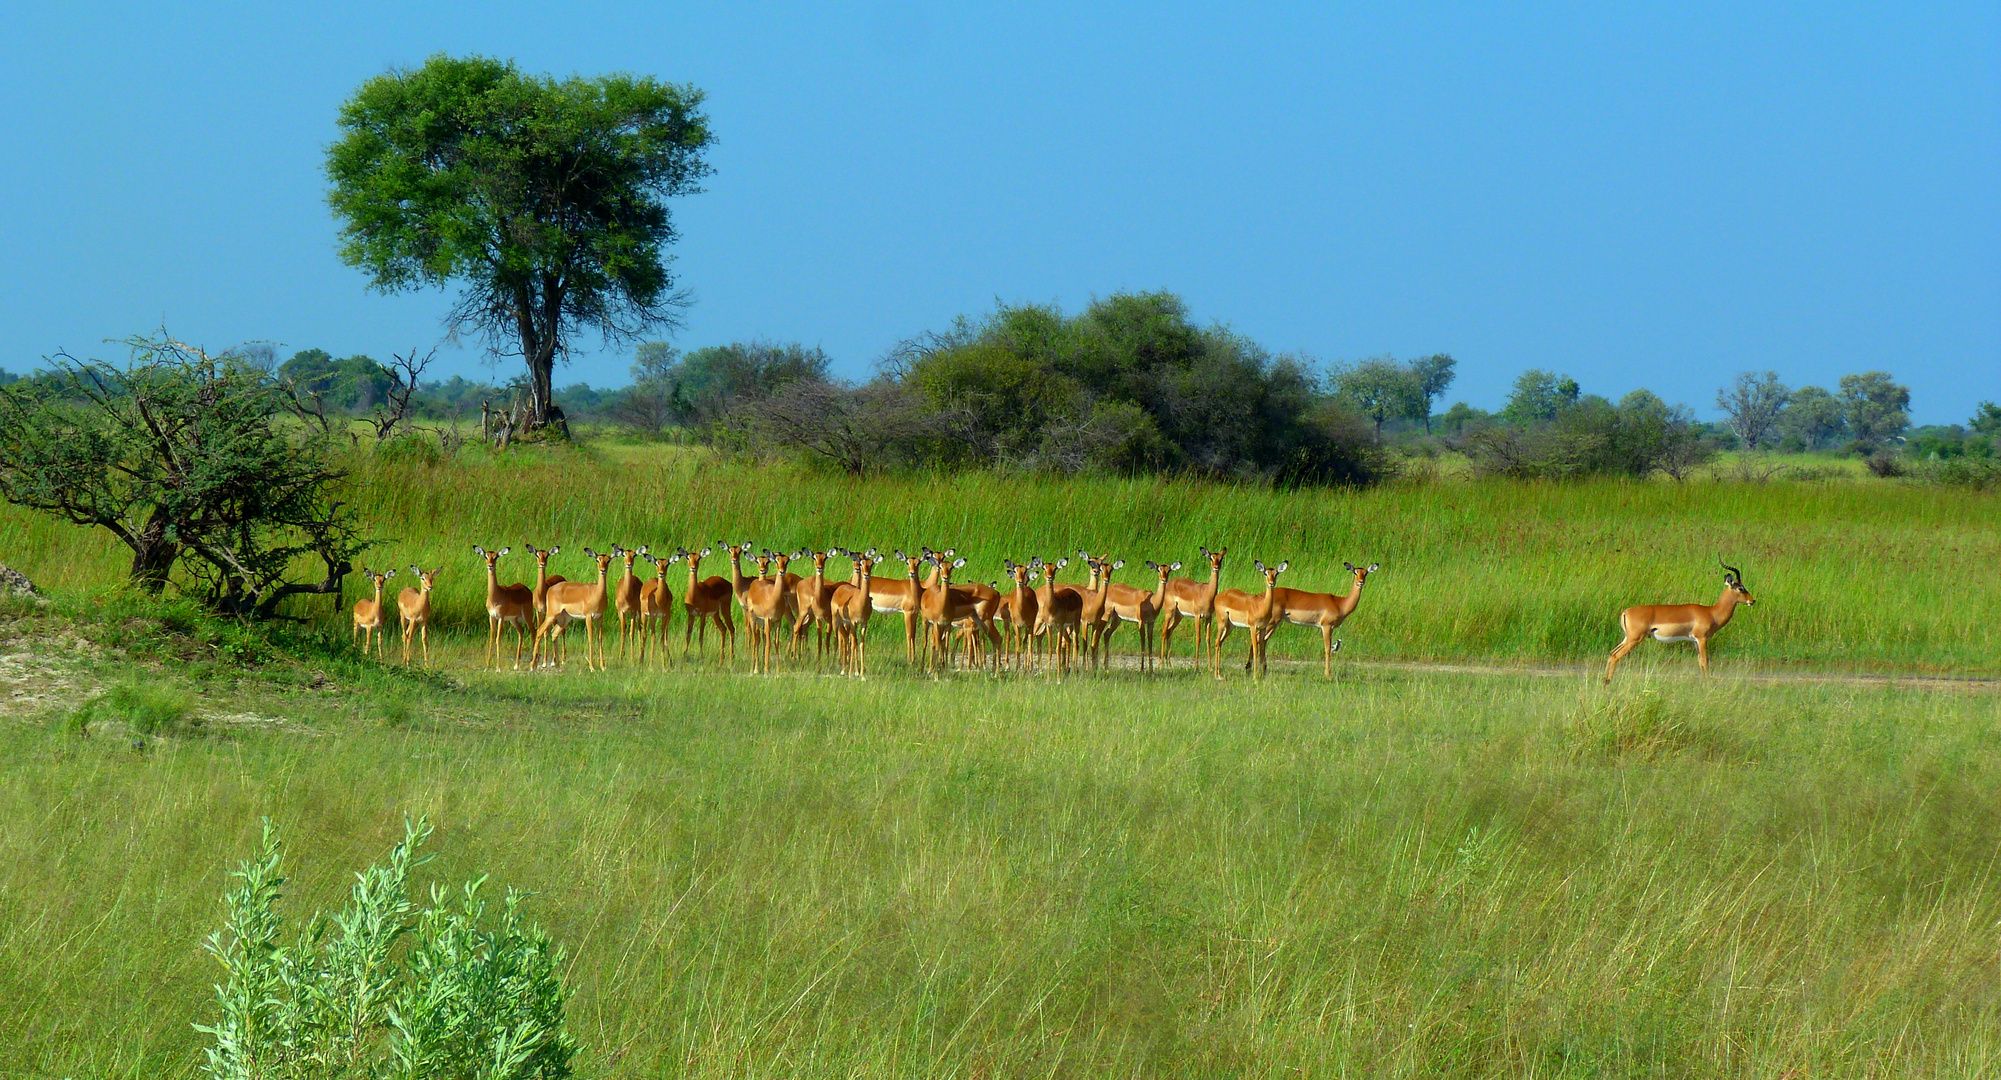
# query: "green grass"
{"points": [[1389, 874], [1864, 575]]}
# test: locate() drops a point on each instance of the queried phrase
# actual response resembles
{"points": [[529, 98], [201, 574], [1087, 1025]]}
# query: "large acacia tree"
{"points": [[545, 199]]}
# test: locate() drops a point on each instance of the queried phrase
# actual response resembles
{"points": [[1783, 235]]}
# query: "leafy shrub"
{"points": [[350, 997], [1980, 474], [142, 708], [1886, 464]]}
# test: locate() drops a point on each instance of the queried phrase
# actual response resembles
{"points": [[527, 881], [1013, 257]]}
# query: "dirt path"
{"points": [[1968, 684]]}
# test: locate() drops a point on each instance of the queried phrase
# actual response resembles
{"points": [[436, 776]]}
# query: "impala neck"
{"points": [[1726, 606], [492, 583], [738, 583]]}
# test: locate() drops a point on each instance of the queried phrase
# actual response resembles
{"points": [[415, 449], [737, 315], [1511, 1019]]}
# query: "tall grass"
{"points": [[1388, 875], [1873, 575]]}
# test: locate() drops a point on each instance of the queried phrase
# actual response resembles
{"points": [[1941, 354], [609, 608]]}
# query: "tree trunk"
{"points": [[153, 555]]}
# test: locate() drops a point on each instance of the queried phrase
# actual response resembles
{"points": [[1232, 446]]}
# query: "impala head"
{"points": [[1361, 572], [425, 580], [492, 557], [1734, 578], [819, 562], [1215, 558], [945, 567], [1271, 573], [603, 559], [779, 560]]}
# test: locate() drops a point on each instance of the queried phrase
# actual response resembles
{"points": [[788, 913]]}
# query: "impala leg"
{"points": [[425, 630], [1702, 653], [1327, 650], [1619, 653]]}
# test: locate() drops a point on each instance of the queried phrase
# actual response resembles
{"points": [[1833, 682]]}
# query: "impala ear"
{"points": [[1372, 567], [505, 550], [1204, 551], [705, 552], [1283, 565], [958, 563], [1119, 565], [389, 574], [1259, 565], [477, 550], [557, 550], [1061, 563], [1176, 566]]}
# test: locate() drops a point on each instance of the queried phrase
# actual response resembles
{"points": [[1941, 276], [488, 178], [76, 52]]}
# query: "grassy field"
{"points": [[1849, 575], [1390, 873], [1387, 875]]}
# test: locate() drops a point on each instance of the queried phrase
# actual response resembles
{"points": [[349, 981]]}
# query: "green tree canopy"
{"points": [[1539, 396], [544, 199], [184, 457], [1382, 389], [1874, 406], [1813, 418]]}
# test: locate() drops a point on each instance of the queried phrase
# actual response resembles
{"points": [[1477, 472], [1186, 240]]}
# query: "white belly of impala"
{"points": [[1659, 636]]}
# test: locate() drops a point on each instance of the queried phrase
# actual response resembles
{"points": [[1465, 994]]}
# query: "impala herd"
{"points": [[943, 621]]}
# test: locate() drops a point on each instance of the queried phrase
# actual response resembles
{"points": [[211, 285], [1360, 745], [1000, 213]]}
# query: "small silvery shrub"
{"points": [[382, 989]]}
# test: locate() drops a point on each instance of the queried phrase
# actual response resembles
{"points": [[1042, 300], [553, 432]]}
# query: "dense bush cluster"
{"points": [[1130, 385]]}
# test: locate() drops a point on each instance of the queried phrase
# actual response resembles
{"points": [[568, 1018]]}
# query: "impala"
{"points": [[707, 600], [1682, 622], [814, 597], [543, 579], [413, 608], [1188, 599], [368, 613], [1234, 608], [767, 603], [1139, 607], [851, 606], [656, 605], [625, 596], [944, 605], [580, 601], [901, 596], [1324, 610], [1059, 613], [506, 605], [1018, 611], [1096, 603]]}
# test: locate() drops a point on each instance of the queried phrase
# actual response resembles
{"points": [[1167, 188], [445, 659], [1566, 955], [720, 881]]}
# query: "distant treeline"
{"points": [[1131, 385]]}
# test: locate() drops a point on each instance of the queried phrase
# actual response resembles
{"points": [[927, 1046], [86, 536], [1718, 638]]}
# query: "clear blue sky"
{"points": [[1639, 197]]}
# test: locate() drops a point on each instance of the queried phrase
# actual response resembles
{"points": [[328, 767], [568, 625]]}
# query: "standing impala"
{"points": [[368, 613], [1324, 610], [851, 606], [543, 579], [767, 605], [506, 605], [1139, 607], [1188, 599], [814, 598], [707, 600], [626, 596], [1059, 613], [1682, 622], [1097, 596], [656, 605], [1019, 609], [901, 596], [944, 605], [413, 607], [580, 601], [1235, 608]]}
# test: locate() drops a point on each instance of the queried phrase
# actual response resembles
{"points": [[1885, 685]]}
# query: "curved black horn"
{"points": [[1734, 572]]}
